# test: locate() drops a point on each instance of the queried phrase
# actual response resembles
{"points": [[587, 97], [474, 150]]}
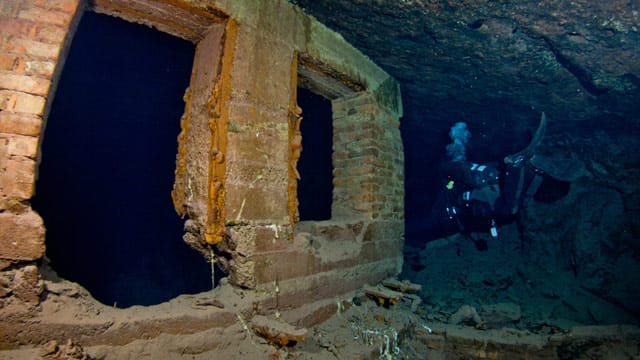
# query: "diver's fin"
{"points": [[519, 157]]}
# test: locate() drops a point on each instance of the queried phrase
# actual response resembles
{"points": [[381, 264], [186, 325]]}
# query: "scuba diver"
{"points": [[479, 197]]}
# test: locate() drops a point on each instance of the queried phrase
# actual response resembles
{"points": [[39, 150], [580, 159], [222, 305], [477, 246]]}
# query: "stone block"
{"points": [[27, 284], [267, 239], [22, 236], [242, 272], [4, 264], [336, 232], [385, 231], [262, 68], [263, 146], [6, 279], [20, 124], [244, 202], [284, 265]]}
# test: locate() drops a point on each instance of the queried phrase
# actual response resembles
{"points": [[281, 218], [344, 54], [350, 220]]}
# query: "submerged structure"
{"points": [[236, 155], [262, 250]]}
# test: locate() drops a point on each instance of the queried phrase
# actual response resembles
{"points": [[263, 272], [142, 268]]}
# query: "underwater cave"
{"points": [[107, 170]]}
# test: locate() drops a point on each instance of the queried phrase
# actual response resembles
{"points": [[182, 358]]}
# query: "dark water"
{"points": [[108, 166], [316, 171]]}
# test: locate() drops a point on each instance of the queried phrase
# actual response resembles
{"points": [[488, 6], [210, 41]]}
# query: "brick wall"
{"points": [[368, 160], [251, 103], [32, 38]]}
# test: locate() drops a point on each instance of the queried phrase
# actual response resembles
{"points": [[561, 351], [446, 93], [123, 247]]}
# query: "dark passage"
{"points": [[108, 166], [315, 187]]}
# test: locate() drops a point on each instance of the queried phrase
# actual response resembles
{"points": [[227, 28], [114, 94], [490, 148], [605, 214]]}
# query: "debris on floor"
{"points": [[276, 331]]}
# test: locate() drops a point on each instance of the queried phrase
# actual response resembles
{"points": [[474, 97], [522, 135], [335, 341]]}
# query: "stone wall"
{"points": [[235, 168]]}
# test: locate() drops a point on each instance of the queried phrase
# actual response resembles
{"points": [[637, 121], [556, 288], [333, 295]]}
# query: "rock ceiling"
{"points": [[498, 64]]}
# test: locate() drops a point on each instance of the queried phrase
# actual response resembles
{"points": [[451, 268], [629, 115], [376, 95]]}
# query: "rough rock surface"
{"points": [[497, 65], [577, 60]]}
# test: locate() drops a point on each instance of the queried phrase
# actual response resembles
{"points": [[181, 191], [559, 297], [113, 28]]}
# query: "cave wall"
{"points": [[592, 232], [236, 155]]}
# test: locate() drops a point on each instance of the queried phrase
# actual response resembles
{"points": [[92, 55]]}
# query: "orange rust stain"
{"points": [[178, 193], [219, 124], [295, 146]]}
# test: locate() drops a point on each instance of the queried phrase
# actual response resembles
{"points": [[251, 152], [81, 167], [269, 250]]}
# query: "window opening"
{"points": [[315, 187], [108, 160]]}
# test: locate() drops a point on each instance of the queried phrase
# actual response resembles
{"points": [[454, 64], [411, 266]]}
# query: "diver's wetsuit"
{"points": [[477, 197]]}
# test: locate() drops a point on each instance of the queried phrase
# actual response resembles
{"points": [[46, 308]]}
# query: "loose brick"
{"points": [[24, 83], [20, 124], [21, 102], [22, 236]]}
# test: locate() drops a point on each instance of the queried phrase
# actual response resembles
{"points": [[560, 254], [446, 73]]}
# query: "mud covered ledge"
{"points": [[220, 323]]}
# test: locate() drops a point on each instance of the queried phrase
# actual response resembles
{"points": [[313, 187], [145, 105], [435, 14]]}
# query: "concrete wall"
{"points": [[235, 169]]}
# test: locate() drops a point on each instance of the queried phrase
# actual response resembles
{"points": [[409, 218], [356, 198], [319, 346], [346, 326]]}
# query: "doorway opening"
{"points": [[108, 161], [315, 187]]}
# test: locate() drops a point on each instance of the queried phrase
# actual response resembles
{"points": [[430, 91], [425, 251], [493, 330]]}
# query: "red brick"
{"points": [[16, 187], [31, 47], [10, 8], [20, 124], [17, 27], [24, 83], [43, 69], [50, 34], [22, 236], [45, 16], [21, 103], [19, 145], [68, 6], [40, 31], [8, 61]]}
